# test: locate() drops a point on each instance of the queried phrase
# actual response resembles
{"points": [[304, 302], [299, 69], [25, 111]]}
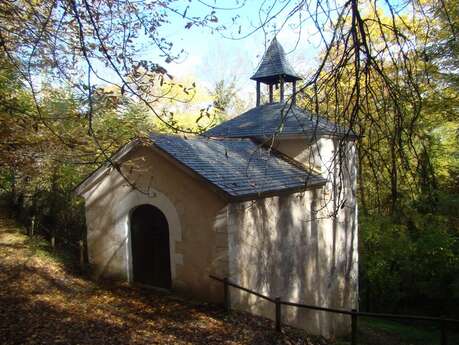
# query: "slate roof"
{"points": [[238, 167], [267, 120], [274, 64]]}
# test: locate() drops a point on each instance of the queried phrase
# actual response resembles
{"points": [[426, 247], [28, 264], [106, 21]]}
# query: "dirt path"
{"points": [[42, 303]]}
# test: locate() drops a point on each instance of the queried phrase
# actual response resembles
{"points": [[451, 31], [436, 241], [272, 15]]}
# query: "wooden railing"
{"points": [[354, 314]]}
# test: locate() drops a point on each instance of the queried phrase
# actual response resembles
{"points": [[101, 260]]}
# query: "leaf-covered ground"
{"points": [[43, 302]]}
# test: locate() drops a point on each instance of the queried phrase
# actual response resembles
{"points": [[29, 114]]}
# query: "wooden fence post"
{"points": [[444, 338], [278, 314], [53, 242], [81, 244], [226, 294], [32, 226], [354, 327]]}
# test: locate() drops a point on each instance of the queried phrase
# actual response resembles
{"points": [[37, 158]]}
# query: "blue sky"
{"points": [[210, 56]]}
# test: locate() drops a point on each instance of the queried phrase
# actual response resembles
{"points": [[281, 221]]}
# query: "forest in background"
{"points": [[402, 103]]}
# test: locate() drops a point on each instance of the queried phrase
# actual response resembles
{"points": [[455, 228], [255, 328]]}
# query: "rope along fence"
{"points": [[353, 314]]}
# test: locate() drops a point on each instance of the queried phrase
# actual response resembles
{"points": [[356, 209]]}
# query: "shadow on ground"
{"points": [[43, 302]]}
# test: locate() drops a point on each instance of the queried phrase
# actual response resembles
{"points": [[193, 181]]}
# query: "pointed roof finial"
{"points": [[274, 65]]}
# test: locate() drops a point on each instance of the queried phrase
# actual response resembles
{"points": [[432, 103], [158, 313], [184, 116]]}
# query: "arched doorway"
{"points": [[150, 247]]}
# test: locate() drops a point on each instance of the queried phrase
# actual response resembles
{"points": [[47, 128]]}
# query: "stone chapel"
{"points": [[266, 199]]}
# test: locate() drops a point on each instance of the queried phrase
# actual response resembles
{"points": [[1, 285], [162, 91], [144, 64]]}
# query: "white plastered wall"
{"points": [[109, 204], [296, 247], [195, 213]]}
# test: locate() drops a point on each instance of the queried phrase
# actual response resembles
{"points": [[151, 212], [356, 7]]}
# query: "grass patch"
{"points": [[38, 247], [388, 332], [42, 249]]}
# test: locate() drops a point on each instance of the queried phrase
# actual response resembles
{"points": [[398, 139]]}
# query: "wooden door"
{"points": [[150, 247]]}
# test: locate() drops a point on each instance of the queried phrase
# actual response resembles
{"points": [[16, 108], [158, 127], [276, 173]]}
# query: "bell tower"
{"points": [[274, 70]]}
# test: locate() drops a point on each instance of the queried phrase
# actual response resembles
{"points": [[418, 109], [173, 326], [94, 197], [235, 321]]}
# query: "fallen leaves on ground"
{"points": [[42, 302]]}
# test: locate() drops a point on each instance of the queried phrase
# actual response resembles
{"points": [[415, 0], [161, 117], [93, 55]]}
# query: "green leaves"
{"points": [[399, 263]]}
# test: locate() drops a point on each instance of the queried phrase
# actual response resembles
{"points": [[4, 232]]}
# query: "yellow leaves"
{"points": [[183, 106], [184, 90]]}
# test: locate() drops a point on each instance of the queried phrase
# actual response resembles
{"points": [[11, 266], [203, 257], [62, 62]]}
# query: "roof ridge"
{"points": [[202, 136]]}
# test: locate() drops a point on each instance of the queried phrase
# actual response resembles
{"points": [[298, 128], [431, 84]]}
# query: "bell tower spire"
{"points": [[274, 69]]}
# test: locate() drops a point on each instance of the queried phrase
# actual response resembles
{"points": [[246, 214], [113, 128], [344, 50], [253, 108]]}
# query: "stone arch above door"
{"points": [[134, 198]]}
